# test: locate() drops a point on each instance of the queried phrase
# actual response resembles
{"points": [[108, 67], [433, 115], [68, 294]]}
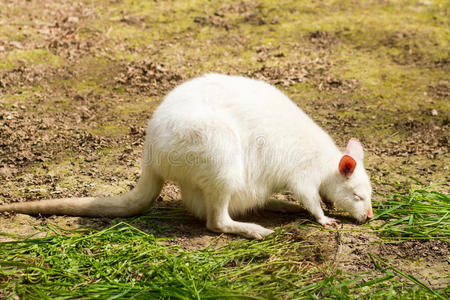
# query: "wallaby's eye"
{"points": [[357, 197]]}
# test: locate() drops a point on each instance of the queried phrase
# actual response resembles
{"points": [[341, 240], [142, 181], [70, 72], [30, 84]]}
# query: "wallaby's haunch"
{"points": [[230, 142]]}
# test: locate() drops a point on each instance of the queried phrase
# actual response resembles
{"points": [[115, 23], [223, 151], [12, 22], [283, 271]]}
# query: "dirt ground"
{"points": [[79, 80]]}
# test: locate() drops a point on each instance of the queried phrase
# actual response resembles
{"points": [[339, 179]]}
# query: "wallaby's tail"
{"points": [[135, 202]]}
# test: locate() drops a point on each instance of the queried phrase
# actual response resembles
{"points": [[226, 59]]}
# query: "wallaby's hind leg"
{"points": [[193, 200], [218, 219], [283, 206]]}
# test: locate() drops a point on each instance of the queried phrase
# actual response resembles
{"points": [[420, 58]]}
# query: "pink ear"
{"points": [[355, 149], [347, 165]]}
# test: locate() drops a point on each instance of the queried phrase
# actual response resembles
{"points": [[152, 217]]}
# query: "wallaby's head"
{"points": [[348, 187]]}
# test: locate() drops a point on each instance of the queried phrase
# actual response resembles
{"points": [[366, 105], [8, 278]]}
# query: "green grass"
{"points": [[122, 261], [418, 214]]}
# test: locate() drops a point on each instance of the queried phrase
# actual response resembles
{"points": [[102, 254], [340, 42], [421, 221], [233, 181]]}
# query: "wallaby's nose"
{"points": [[369, 213]]}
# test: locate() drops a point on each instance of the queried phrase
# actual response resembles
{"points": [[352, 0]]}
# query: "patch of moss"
{"points": [[16, 58], [69, 172], [140, 23], [20, 96], [138, 106], [384, 83], [11, 33], [110, 130], [302, 93], [97, 70]]}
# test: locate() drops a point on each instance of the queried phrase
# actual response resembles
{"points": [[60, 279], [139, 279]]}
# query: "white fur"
{"points": [[231, 142]]}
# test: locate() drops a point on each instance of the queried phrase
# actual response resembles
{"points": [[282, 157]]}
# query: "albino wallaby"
{"points": [[230, 142]]}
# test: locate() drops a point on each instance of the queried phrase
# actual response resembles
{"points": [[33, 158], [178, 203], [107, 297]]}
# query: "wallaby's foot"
{"points": [[260, 234], [248, 230], [324, 221], [255, 231]]}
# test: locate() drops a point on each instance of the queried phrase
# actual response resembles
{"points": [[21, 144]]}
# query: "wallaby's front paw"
{"points": [[324, 221]]}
